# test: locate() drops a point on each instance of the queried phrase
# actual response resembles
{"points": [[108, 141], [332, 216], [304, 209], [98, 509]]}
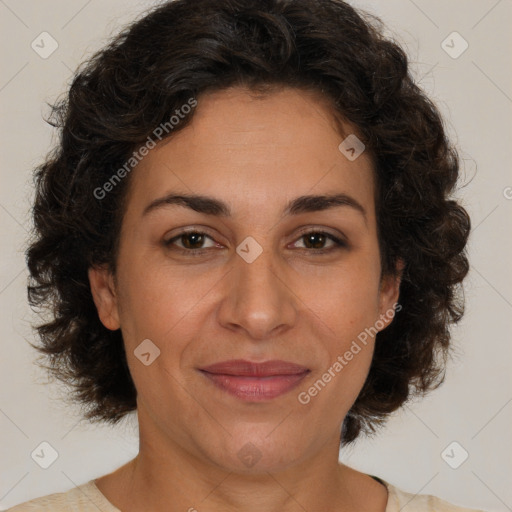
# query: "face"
{"points": [[258, 271]]}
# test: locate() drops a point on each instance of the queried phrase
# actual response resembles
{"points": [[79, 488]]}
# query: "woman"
{"points": [[248, 237]]}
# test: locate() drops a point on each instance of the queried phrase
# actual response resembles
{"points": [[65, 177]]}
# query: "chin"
{"points": [[259, 453]]}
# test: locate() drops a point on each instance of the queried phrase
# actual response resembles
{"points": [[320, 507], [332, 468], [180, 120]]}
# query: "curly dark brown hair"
{"points": [[182, 49]]}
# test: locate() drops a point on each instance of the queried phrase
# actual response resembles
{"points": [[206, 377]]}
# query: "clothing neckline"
{"points": [[104, 502], [110, 507]]}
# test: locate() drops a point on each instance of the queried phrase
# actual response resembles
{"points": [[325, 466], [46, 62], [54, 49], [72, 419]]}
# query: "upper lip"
{"points": [[244, 368]]}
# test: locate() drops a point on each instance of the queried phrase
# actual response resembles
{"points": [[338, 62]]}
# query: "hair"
{"points": [[183, 49]]}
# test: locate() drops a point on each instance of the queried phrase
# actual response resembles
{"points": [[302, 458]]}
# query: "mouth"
{"points": [[255, 382]]}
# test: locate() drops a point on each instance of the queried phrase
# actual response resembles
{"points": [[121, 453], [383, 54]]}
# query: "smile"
{"points": [[255, 381]]}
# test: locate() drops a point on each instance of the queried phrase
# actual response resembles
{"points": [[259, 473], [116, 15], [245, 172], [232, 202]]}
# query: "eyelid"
{"points": [[326, 231], [339, 239], [197, 228], [201, 230]]}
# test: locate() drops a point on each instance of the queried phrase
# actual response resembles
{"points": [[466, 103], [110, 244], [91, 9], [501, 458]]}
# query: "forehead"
{"points": [[255, 151]]}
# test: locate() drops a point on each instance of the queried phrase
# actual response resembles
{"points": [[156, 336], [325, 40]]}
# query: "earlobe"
{"points": [[104, 296]]}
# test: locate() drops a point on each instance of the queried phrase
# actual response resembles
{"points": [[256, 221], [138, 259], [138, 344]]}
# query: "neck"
{"points": [[166, 477]]}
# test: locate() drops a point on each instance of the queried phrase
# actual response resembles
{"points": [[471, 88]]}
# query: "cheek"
{"points": [[167, 307], [349, 299], [345, 363], [153, 299], [348, 304]]}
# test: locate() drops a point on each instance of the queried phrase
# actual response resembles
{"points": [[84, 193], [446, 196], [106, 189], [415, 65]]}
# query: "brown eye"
{"points": [[190, 241], [316, 240]]}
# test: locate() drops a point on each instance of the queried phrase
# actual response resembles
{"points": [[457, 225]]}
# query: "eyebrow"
{"points": [[212, 206]]}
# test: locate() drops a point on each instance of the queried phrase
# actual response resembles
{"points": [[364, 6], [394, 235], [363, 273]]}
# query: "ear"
{"points": [[104, 296], [389, 293]]}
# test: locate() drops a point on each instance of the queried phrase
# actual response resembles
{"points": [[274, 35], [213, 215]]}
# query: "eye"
{"points": [[316, 240], [191, 241]]}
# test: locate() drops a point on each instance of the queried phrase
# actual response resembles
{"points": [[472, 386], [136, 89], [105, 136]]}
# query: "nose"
{"points": [[259, 297]]}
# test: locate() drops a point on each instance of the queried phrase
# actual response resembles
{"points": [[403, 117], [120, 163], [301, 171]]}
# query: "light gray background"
{"points": [[473, 407]]}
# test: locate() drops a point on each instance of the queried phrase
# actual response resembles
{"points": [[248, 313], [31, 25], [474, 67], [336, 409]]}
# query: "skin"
{"points": [[256, 155]]}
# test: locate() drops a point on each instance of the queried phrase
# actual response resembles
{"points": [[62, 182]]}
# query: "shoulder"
{"points": [[399, 500], [84, 498]]}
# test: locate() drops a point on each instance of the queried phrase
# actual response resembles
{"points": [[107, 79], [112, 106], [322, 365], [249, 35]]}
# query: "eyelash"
{"points": [[339, 244]]}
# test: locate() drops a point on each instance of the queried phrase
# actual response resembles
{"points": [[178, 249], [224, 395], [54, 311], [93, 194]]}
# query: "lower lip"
{"points": [[256, 389]]}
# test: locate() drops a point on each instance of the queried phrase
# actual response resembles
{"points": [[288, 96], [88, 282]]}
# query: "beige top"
{"points": [[88, 498]]}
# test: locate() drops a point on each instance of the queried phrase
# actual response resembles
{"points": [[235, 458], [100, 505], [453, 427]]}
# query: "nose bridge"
{"points": [[259, 300], [258, 275]]}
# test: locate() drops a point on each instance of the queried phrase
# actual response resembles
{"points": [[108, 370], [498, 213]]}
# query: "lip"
{"points": [[255, 381]]}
